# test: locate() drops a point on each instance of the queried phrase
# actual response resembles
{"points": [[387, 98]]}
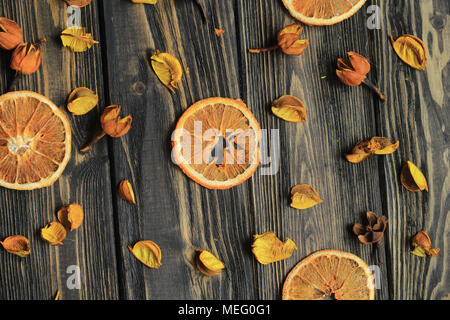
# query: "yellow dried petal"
{"points": [[267, 248], [167, 68], [54, 233], [71, 216], [304, 196], [208, 264], [126, 191], [357, 157], [411, 50], [412, 178], [148, 253], [77, 39], [81, 101], [289, 108], [18, 245], [145, 1]]}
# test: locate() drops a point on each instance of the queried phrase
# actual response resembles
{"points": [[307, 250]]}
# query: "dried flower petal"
{"points": [[54, 233], [18, 245], [289, 40], [422, 245], [10, 34], [267, 248], [148, 253], [71, 216], [219, 32], [304, 196], [126, 191], [167, 68], [208, 264], [78, 3], [411, 50], [26, 58], [145, 1], [112, 124], [81, 101], [365, 149], [77, 39], [412, 178], [289, 108]]}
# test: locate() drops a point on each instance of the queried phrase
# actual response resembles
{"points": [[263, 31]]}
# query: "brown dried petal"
{"points": [[372, 218], [422, 245], [10, 34], [289, 40], [112, 124], [26, 59], [18, 245], [126, 191], [359, 63], [71, 216], [359, 229], [78, 3]]}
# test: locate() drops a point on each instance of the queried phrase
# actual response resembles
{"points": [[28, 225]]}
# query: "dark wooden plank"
{"points": [[172, 210], [85, 180], [416, 113], [311, 153]]}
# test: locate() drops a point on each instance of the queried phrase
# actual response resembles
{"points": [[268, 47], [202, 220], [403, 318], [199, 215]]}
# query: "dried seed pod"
{"points": [[289, 108], [10, 34], [112, 124], [411, 50], [71, 216], [81, 101], [267, 248], [26, 58], [373, 230], [208, 264], [54, 233], [126, 191], [18, 245], [167, 68], [304, 196], [412, 178], [422, 245], [148, 253]]}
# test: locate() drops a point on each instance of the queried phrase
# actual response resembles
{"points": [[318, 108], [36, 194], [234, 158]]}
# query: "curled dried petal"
{"points": [[77, 39], [267, 248], [167, 68], [81, 101], [411, 50], [412, 178], [18, 245], [289, 40], [126, 191], [54, 233], [350, 77], [148, 253], [71, 216], [10, 34], [365, 149], [359, 63], [78, 3], [304, 196], [289, 108], [422, 245], [208, 264], [112, 124]]}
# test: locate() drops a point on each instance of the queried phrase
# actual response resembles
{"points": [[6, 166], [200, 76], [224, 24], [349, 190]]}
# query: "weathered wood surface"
{"points": [[180, 215]]}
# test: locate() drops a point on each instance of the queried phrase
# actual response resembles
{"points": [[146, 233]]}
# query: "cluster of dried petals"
{"points": [[26, 58], [289, 108], [126, 191], [288, 40], [81, 101], [77, 39], [208, 264], [421, 243], [54, 233], [365, 149], [167, 68], [71, 216], [410, 50], [412, 178], [304, 196], [10, 34], [353, 71], [148, 253], [373, 230], [267, 248], [78, 3], [18, 245]]}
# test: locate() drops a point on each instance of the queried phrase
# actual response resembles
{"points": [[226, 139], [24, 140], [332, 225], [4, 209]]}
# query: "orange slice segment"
{"points": [[322, 12], [35, 141], [330, 274], [216, 143]]}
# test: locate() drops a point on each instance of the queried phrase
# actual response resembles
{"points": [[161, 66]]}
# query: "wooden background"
{"points": [[180, 215]]}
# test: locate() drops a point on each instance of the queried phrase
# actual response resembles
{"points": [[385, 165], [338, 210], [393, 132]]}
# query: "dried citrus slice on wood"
{"points": [[330, 274], [322, 12], [216, 143], [35, 141]]}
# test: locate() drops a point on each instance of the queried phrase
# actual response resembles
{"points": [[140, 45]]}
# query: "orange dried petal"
{"points": [[126, 191], [18, 245], [71, 216], [208, 264]]}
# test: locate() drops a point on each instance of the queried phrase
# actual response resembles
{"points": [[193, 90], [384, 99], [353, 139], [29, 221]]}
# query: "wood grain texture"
{"points": [[85, 180]]}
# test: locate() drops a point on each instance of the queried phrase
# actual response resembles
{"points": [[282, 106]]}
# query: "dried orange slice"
{"points": [[330, 274], [322, 12], [35, 141], [216, 143]]}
